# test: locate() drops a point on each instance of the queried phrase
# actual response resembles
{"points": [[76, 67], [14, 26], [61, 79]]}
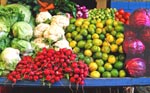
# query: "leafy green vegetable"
{"points": [[22, 30], [22, 45], [4, 43], [22, 9], [10, 15], [65, 6], [32, 4]]}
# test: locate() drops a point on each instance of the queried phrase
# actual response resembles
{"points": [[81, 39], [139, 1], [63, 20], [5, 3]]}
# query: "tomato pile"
{"points": [[122, 16], [50, 66]]}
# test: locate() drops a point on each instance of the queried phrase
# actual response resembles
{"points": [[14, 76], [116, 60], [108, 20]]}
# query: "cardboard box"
{"points": [[3, 2], [101, 4]]}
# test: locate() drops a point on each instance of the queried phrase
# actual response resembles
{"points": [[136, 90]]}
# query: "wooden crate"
{"points": [[101, 4]]}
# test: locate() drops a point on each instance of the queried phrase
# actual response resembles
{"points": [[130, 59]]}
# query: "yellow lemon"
{"points": [[68, 35], [119, 41], [73, 43], [111, 59], [95, 74], [99, 25], [114, 47], [95, 36], [110, 38], [122, 73], [93, 66], [88, 53]]}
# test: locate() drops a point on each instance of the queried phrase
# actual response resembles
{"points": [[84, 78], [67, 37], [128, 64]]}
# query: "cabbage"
{"points": [[10, 56], [22, 45], [10, 15], [22, 9], [4, 43], [4, 30], [22, 30]]}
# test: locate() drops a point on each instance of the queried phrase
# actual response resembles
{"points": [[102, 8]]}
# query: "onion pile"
{"points": [[82, 12]]}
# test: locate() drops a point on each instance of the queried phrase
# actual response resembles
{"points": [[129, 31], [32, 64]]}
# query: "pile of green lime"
{"points": [[99, 43]]}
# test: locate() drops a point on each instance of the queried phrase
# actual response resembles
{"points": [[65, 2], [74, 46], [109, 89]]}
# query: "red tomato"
{"points": [[121, 11], [116, 18], [126, 15], [122, 20], [119, 16], [116, 13]]}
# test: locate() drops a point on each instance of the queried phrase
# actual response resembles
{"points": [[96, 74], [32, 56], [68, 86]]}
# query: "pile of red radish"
{"points": [[122, 16], [50, 66]]}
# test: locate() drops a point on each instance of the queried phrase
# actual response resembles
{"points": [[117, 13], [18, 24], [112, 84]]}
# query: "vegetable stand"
{"points": [[89, 82]]}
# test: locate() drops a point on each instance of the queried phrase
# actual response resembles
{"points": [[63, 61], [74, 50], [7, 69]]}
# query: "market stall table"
{"points": [[89, 82]]}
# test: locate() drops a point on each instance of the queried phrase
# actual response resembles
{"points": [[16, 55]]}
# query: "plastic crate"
{"points": [[130, 6]]}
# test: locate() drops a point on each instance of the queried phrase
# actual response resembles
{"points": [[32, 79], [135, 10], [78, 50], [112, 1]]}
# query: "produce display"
{"points": [[136, 44], [48, 42]]}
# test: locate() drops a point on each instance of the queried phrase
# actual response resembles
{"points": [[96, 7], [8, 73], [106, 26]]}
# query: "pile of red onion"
{"points": [[82, 12]]}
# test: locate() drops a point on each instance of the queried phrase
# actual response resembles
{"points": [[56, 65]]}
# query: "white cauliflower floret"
{"points": [[54, 32], [39, 29], [10, 55], [39, 42], [43, 17], [60, 20], [62, 44]]}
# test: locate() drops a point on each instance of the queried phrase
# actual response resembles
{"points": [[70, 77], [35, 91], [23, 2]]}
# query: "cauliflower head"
{"points": [[54, 32], [62, 44], [43, 17], [39, 42], [39, 29], [61, 20], [10, 55]]}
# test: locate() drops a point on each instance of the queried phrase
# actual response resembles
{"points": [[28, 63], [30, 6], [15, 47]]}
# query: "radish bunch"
{"points": [[50, 66]]}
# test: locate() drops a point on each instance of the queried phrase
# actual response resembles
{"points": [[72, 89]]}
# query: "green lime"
{"points": [[104, 56], [81, 44], [108, 66], [98, 54], [83, 32], [88, 45], [76, 50], [118, 65], [106, 74], [78, 37], [114, 73], [72, 20], [89, 36], [99, 62], [119, 28], [101, 69], [87, 60], [74, 34], [94, 48], [71, 28], [80, 55], [91, 30], [97, 42], [102, 36], [121, 57]]}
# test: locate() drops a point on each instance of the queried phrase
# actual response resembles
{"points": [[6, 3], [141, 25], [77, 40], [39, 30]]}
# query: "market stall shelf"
{"points": [[89, 82]]}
